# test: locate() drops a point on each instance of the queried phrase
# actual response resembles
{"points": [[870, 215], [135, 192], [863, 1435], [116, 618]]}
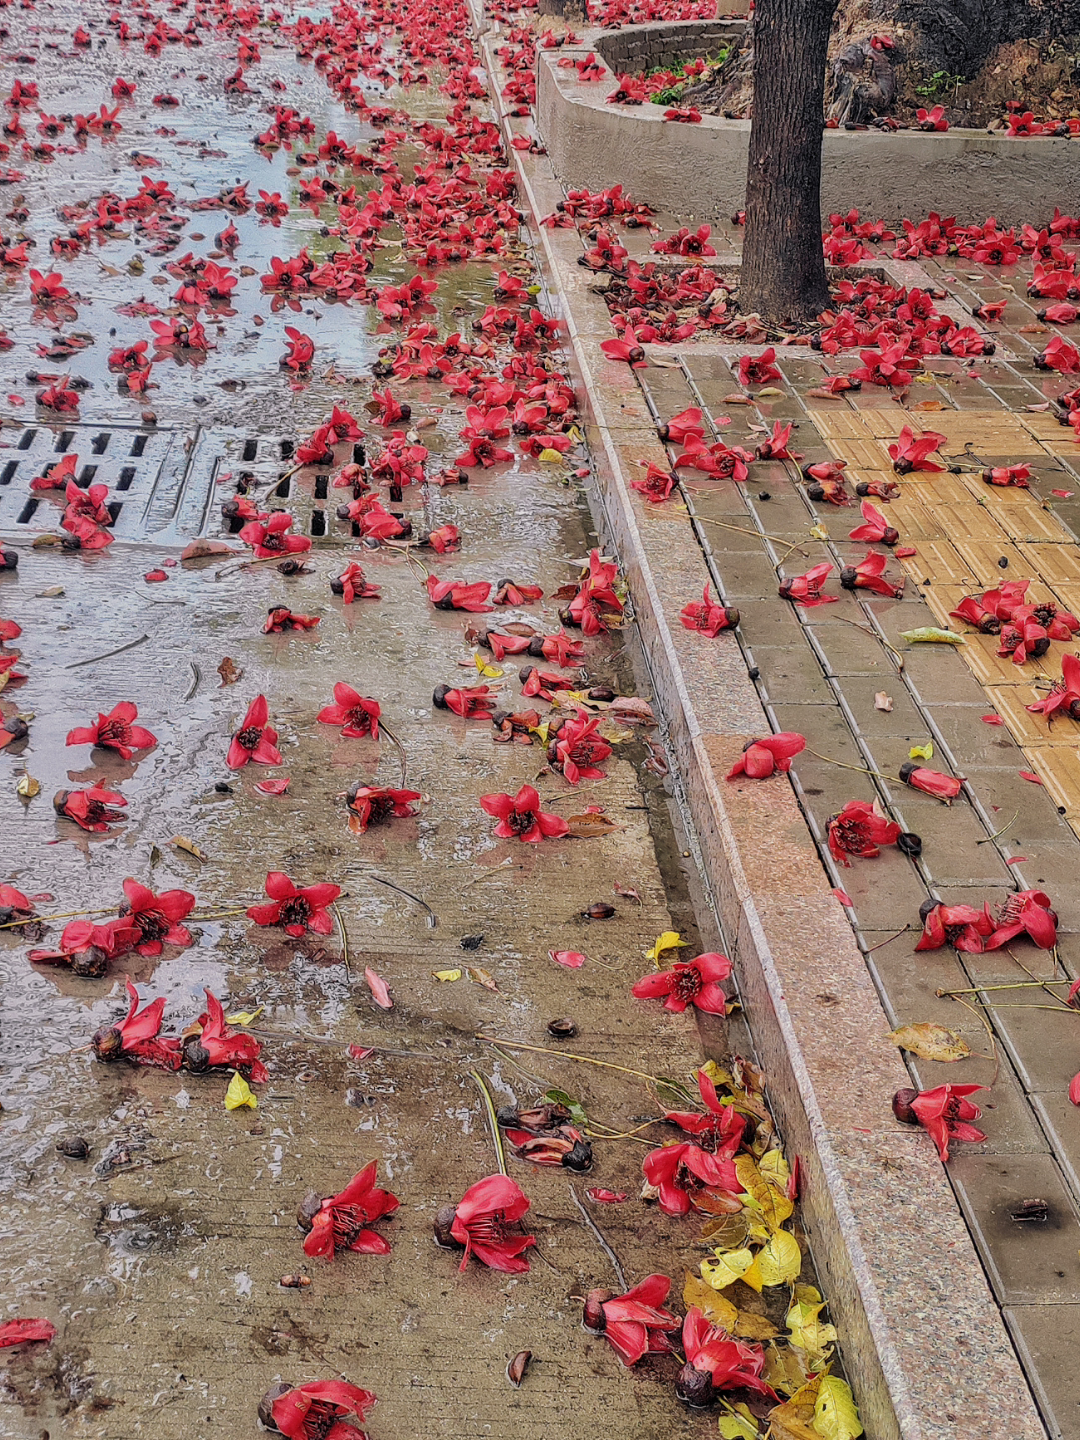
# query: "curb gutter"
{"points": [[924, 1343]]}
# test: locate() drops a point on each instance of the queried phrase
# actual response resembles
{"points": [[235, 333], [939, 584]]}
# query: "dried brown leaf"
{"points": [[931, 1041], [188, 846], [587, 827], [709, 1301], [482, 977], [883, 701], [228, 672]]}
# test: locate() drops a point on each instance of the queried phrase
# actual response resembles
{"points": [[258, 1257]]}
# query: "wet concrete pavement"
{"points": [[159, 1258]]}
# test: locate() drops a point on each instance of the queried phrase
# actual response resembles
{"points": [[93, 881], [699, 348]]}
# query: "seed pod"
{"points": [[562, 1029], [515, 1371], [295, 1282], [444, 1218], [694, 1387], [73, 1146], [908, 843], [266, 1406], [90, 964], [598, 910], [901, 1106], [308, 1208], [601, 693], [592, 1315], [196, 1058]]}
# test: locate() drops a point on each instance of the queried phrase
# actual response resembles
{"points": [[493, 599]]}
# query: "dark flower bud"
{"points": [[90, 964], [342, 514], [592, 1315], [695, 1387], [9, 559], [901, 1106], [196, 1057], [438, 699], [266, 1406], [925, 908], [579, 1158], [603, 693], [536, 648], [70, 542], [444, 1218], [308, 1208], [908, 843], [107, 1042], [337, 587], [849, 577], [291, 566]]}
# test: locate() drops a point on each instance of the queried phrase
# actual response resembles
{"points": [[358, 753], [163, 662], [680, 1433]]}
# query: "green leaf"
{"points": [[560, 1097], [835, 1415], [931, 635], [734, 1427]]}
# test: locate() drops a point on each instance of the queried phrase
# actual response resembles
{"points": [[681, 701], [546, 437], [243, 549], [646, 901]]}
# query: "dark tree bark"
{"points": [[783, 268]]}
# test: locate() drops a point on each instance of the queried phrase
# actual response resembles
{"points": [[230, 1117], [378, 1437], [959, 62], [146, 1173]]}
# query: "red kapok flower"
{"points": [[576, 748], [693, 982], [762, 758], [707, 617], [341, 1221], [860, 830], [722, 1126], [90, 808], [136, 1036], [115, 731], [520, 815], [931, 782], [656, 485], [270, 538], [255, 740], [294, 909], [868, 575], [943, 1112], [634, 1322], [681, 1170], [156, 918], [716, 1362], [314, 1411], [910, 452], [281, 619], [352, 584], [19, 1332], [482, 1221], [368, 804], [876, 529], [217, 1045], [961, 926], [1064, 693], [455, 595], [1027, 913], [469, 701], [356, 716], [806, 589]]}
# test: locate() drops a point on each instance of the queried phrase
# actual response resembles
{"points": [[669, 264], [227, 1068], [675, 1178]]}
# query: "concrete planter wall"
{"points": [[700, 170]]}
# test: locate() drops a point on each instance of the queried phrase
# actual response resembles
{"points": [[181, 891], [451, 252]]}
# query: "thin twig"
{"points": [[993, 1041], [493, 1122], [69, 915], [598, 1237], [385, 730], [987, 838], [344, 936], [891, 938], [874, 636], [433, 919], [1013, 985], [1043, 984], [108, 653], [565, 1055], [757, 534], [196, 677], [860, 769]]}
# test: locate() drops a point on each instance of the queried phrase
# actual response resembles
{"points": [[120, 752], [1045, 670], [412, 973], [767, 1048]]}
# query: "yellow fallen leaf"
{"points": [[489, 672], [774, 1206], [931, 634], [792, 1420], [835, 1415], [724, 1270], [28, 787], [727, 1232], [931, 1041], [777, 1263], [482, 977], [188, 846], [541, 732], [922, 752], [738, 1427], [710, 1302], [785, 1372], [551, 456], [239, 1094], [575, 435], [244, 1017], [818, 532], [770, 390], [808, 1333], [446, 974], [749, 1326], [775, 1168], [669, 940]]}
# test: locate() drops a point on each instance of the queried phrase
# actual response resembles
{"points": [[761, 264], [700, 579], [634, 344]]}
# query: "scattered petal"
{"points": [[379, 990], [239, 1094], [570, 958]]}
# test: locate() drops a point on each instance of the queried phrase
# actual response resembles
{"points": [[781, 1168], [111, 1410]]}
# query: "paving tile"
{"points": [[1028, 1263], [746, 575], [985, 745], [1044, 1043], [1047, 1337], [791, 673], [903, 719]]}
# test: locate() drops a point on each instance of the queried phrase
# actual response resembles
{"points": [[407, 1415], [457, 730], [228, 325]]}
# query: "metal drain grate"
{"points": [[266, 467], [142, 469]]}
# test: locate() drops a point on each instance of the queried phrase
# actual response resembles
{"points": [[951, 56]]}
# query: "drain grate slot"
{"points": [[7, 474], [114, 507], [138, 444], [86, 475], [26, 514], [127, 475], [26, 439], [321, 484], [318, 522], [251, 450], [100, 444], [63, 441], [287, 448]]}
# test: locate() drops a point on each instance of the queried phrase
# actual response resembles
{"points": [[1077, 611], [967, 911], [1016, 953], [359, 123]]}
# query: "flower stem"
{"points": [[860, 769], [598, 1237], [492, 1120], [344, 936], [566, 1055], [68, 915]]}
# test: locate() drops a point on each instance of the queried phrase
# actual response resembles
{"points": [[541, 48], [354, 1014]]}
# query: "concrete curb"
{"points": [[904, 1283], [967, 173]]}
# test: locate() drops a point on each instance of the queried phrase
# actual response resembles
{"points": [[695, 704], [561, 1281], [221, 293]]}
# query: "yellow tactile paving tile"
{"points": [[1056, 564], [1028, 523], [942, 600], [1011, 702], [863, 452], [914, 521], [990, 668], [838, 424], [982, 561], [1058, 767], [1069, 596], [937, 562]]}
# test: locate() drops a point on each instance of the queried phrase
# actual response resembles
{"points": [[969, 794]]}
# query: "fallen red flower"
{"points": [[721, 1127], [758, 369], [634, 1322], [868, 575], [295, 909], [576, 749], [369, 804], [961, 926], [454, 595], [1064, 693], [271, 539], [931, 782], [481, 1222], [218, 1046], [692, 982], [87, 948], [509, 592], [1027, 912], [356, 716], [682, 1171], [656, 486], [281, 619], [471, 701], [255, 740], [156, 918], [115, 731], [19, 1332], [136, 1036], [716, 1362], [943, 1112], [520, 815], [876, 529], [707, 617], [340, 1222], [314, 1411], [912, 453], [352, 585], [859, 830], [762, 758], [806, 589]]}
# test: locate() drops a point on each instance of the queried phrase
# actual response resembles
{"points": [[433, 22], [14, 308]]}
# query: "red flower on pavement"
{"points": [[867, 575], [509, 592], [300, 348], [656, 485], [762, 758], [281, 619], [806, 589], [136, 1036], [1064, 693], [719, 1130], [356, 716], [115, 731], [470, 701], [692, 982], [680, 427], [454, 595], [683, 1170], [944, 1113], [716, 1362], [341, 1221], [270, 538], [314, 1411], [520, 815], [707, 617], [961, 926], [931, 119], [721, 461], [627, 348], [294, 909], [860, 830], [635, 1323], [876, 529], [1008, 475], [930, 782], [972, 610], [482, 1221], [758, 369], [255, 740], [1059, 355], [216, 1045], [576, 749], [1027, 912], [774, 446], [19, 1332], [911, 452], [442, 540], [352, 585], [156, 918], [14, 905], [368, 804], [87, 948]]}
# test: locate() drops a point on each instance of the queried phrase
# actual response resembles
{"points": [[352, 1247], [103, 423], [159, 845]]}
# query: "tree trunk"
{"points": [[783, 267]]}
